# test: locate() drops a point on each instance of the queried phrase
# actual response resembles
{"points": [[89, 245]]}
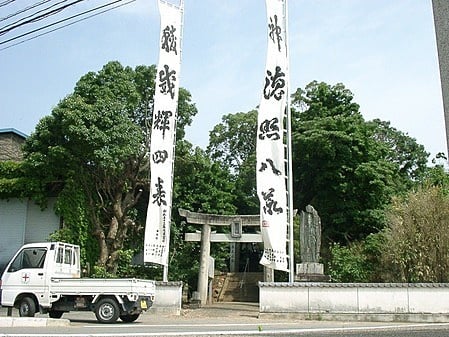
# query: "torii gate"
{"points": [[236, 222]]}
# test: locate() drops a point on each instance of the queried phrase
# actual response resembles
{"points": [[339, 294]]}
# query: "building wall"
{"points": [[22, 221], [12, 228], [10, 146]]}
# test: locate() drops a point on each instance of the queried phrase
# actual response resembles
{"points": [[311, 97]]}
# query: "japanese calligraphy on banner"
{"points": [[271, 183], [157, 229]]}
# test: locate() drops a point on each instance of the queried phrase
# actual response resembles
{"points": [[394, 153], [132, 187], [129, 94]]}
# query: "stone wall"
{"points": [[10, 146]]}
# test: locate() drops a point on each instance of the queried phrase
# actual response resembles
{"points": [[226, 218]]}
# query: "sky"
{"points": [[383, 51]]}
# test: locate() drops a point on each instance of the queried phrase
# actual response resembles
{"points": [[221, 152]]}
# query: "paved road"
{"points": [[224, 319]]}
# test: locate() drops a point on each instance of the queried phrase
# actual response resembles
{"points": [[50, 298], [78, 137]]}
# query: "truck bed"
{"points": [[94, 286]]}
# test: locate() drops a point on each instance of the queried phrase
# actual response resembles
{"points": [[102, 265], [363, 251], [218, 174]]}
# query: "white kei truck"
{"points": [[46, 277]]}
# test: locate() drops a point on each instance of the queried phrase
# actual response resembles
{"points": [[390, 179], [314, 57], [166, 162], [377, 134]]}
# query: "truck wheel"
{"points": [[55, 313], [129, 318], [27, 307], [107, 310]]}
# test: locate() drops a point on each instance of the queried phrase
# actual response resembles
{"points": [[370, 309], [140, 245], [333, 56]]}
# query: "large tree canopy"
{"points": [[98, 137], [347, 168], [233, 141]]}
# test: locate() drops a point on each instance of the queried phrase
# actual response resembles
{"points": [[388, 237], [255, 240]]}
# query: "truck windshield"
{"points": [[29, 258]]}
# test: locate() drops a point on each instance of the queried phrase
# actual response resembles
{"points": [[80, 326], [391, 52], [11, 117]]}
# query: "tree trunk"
{"points": [[118, 230], [104, 252], [111, 237]]}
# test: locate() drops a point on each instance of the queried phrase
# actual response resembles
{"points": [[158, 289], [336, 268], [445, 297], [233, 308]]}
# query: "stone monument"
{"points": [[310, 268]]}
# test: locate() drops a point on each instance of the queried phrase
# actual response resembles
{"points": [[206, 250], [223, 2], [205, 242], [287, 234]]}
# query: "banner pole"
{"points": [[163, 138], [271, 144], [289, 160], [181, 8]]}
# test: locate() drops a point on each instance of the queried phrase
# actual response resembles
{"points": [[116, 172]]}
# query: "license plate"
{"points": [[143, 304]]}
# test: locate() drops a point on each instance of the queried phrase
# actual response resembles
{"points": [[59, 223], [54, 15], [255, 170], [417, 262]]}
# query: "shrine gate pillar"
{"points": [[203, 274]]}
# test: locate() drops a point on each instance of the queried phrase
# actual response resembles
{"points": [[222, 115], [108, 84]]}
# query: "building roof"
{"points": [[12, 130]]}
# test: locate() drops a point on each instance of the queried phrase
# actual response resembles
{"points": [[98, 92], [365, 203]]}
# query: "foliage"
{"points": [[233, 143], [9, 179], [100, 271], [245, 191], [233, 140], [358, 261], [72, 206], [417, 241], [201, 185], [414, 246], [437, 175], [345, 167], [342, 166], [18, 181], [93, 150], [98, 137], [347, 264], [402, 150]]}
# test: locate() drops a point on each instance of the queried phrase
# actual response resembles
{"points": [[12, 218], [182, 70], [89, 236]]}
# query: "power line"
{"points": [[24, 10], [40, 17], [68, 24], [59, 21], [6, 2]]}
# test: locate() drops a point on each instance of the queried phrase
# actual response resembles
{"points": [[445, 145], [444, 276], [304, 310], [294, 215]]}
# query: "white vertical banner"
{"points": [[271, 166], [163, 135]]}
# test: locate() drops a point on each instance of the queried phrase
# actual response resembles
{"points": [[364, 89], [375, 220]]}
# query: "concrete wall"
{"points": [[355, 298], [168, 298]]}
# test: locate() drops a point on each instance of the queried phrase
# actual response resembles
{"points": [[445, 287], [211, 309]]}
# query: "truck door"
{"points": [[26, 273]]}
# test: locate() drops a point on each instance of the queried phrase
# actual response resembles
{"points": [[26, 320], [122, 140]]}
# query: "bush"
{"points": [[417, 239], [358, 262]]}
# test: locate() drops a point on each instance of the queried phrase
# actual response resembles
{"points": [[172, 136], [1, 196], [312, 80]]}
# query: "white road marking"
{"points": [[236, 332]]}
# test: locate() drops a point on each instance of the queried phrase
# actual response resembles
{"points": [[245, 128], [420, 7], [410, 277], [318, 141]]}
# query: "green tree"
{"points": [[347, 168], [233, 143], [202, 184], [402, 150], [98, 137], [437, 175]]}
